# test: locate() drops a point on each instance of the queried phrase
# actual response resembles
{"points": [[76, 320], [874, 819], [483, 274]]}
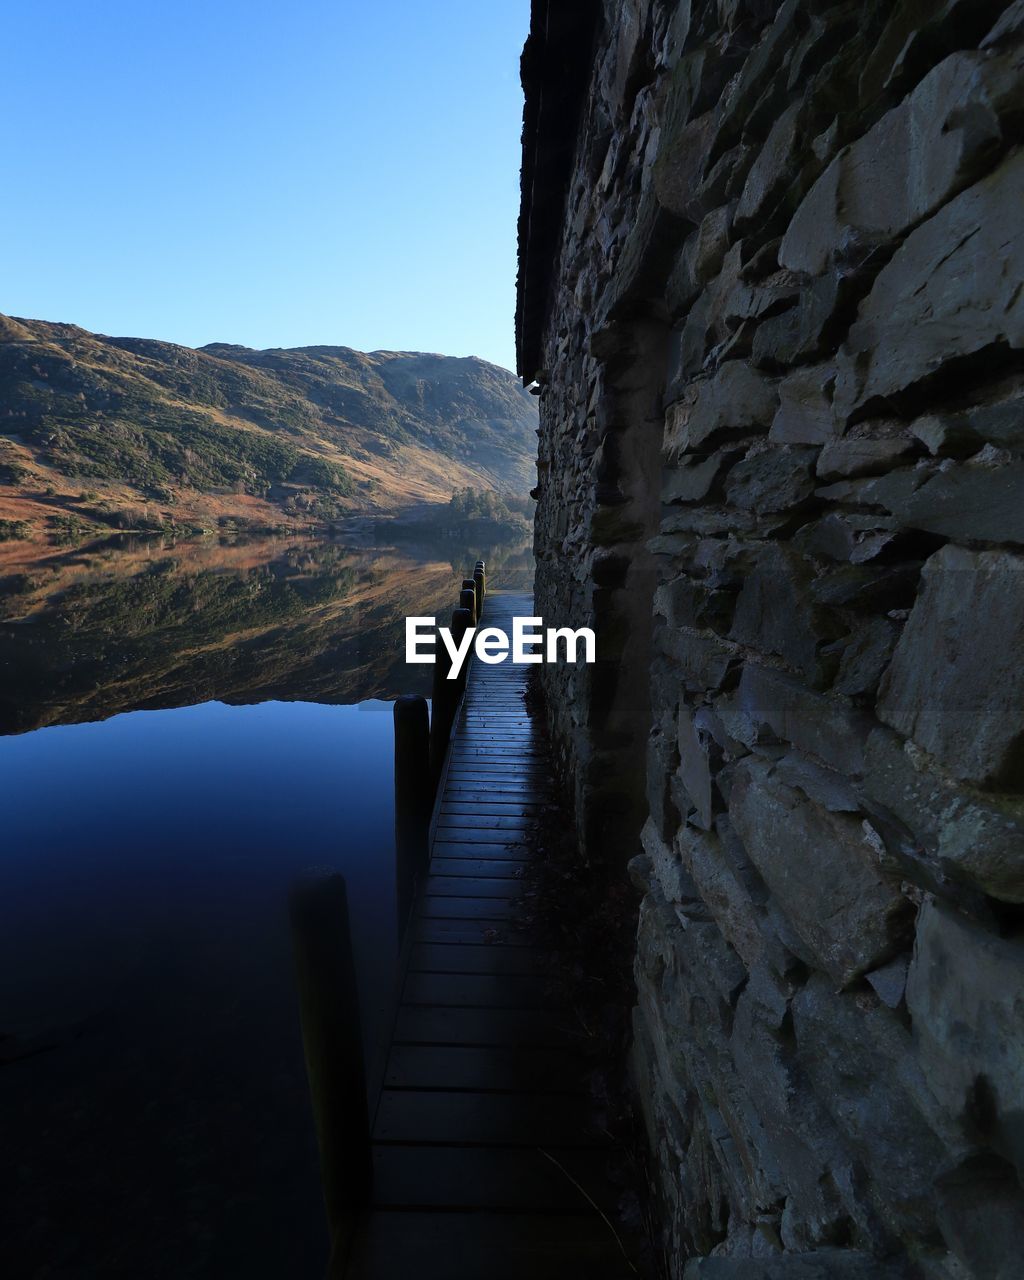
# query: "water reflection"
{"points": [[186, 728]]}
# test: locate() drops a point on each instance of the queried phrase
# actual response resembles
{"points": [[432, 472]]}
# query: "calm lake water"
{"points": [[182, 730]]}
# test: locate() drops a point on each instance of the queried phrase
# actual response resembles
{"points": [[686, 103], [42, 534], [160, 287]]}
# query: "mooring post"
{"points": [[462, 619], [332, 1039], [413, 800], [467, 598], [444, 700], [480, 583]]}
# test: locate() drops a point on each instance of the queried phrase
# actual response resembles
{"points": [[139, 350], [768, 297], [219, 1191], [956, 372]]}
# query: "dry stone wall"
{"points": [[779, 345]]}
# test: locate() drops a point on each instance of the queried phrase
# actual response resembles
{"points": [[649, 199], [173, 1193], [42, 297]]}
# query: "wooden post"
{"points": [[333, 1042], [444, 698], [462, 619], [479, 581], [413, 800], [467, 601]]}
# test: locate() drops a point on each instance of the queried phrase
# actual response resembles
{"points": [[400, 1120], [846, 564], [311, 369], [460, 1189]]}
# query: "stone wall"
{"points": [[773, 300]]}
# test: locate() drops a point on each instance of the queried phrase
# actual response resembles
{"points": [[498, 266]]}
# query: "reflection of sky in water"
{"points": [[143, 923]]}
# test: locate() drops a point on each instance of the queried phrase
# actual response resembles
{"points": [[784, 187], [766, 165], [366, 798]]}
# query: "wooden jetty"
{"points": [[486, 1164], [483, 1153]]}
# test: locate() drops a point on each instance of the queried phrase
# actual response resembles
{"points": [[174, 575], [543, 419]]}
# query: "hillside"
{"points": [[134, 433]]}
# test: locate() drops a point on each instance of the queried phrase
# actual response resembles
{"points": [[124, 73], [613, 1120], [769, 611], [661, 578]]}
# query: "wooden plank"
{"points": [[479, 990], [484, 1119], [482, 835], [498, 786], [437, 907], [491, 806], [517, 779], [519, 771], [446, 848], [507, 1178], [460, 886], [464, 957], [518, 1028], [427, 1066], [492, 719], [474, 1245], [500, 736], [499, 727], [491, 933], [498, 868], [484, 821]]}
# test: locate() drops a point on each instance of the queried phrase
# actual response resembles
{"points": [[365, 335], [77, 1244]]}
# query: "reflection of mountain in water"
{"points": [[85, 637]]}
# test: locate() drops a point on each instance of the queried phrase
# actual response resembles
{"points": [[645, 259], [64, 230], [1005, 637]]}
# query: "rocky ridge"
{"points": [[137, 433]]}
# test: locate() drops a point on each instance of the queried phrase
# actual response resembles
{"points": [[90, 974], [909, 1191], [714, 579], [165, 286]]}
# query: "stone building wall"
{"points": [[772, 293]]}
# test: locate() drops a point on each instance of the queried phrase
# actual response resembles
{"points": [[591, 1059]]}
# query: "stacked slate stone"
{"points": [[772, 294]]}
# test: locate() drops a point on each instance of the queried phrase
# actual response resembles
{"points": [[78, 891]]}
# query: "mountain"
{"points": [[136, 433]]}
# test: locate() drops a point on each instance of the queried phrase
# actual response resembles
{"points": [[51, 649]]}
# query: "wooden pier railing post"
{"points": [[414, 796], [462, 620], [445, 693], [444, 699], [479, 582], [333, 1044], [467, 597], [467, 601]]}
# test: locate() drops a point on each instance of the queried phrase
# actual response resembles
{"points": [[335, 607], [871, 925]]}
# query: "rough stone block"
{"points": [[811, 329], [774, 614], [964, 993], [822, 869], [951, 290], [801, 1139], [691, 602], [981, 1211], [979, 501], [859, 1058], [680, 166], [720, 884], [705, 660], [774, 479], [866, 653], [694, 768], [974, 838], [904, 168], [669, 871], [823, 726], [853, 537], [704, 326], [997, 418], [735, 400], [861, 455], [956, 683], [711, 244], [907, 45], [772, 171], [692, 478], [805, 407]]}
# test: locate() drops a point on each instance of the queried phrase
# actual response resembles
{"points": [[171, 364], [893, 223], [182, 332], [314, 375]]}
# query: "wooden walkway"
{"points": [[482, 1129]]}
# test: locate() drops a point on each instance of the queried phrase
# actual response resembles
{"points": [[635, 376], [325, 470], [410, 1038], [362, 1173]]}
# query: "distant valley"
{"points": [[100, 433]]}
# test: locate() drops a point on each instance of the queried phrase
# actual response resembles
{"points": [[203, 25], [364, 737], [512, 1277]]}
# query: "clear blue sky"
{"points": [[269, 173]]}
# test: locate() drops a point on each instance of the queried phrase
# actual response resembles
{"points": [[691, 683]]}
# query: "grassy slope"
{"points": [[130, 432]]}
